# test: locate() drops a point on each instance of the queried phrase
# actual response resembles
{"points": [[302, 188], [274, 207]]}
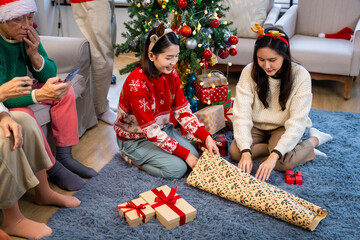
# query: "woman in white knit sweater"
{"points": [[273, 100]]}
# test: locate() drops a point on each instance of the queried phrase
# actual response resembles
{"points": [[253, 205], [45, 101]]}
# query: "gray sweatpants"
{"points": [[156, 161]]}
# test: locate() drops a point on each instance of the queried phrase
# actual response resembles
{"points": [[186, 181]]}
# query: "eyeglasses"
{"points": [[27, 18]]}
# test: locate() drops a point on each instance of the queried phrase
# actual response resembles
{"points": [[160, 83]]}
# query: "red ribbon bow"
{"points": [[176, 30], [138, 208], [169, 200]]}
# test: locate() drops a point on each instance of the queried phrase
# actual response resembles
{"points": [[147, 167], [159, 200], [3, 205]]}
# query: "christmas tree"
{"points": [[203, 32]]}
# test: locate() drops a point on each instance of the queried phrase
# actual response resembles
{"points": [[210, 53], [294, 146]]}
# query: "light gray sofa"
{"points": [[68, 54], [245, 46], [325, 59]]}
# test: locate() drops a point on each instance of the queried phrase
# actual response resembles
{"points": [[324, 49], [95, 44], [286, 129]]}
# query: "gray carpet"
{"points": [[332, 183]]}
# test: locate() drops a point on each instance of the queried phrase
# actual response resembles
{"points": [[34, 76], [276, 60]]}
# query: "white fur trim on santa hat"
{"points": [[10, 9], [321, 35]]}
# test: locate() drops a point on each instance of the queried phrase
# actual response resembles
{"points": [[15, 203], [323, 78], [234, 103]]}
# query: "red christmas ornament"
{"points": [[223, 53], [35, 25], [233, 51], [233, 40], [207, 54], [185, 31], [182, 3], [204, 64], [214, 23]]}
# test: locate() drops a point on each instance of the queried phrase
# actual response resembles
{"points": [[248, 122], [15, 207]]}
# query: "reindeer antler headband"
{"points": [[274, 34], [160, 32]]}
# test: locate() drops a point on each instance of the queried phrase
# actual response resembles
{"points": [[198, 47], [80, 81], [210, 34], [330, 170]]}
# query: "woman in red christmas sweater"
{"points": [[149, 94]]}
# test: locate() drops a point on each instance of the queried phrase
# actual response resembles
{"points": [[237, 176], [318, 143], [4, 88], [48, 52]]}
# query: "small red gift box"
{"points": [[294, 177], [223, 146], [210, 95]]}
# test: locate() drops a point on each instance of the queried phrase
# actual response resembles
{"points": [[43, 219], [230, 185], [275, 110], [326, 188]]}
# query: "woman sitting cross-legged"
{"points": [[271, 109]]}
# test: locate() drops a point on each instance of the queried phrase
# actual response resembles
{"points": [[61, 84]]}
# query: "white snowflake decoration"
{"points": [[134, 86], [144, 104]]}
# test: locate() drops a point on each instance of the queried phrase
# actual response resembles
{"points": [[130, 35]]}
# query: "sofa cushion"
{"points": [[41, 113], [322, 55], [244, 13]]}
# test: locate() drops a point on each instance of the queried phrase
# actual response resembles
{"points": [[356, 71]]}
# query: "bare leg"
{"points": [[138, 166], [17, 225], [44, 195]]}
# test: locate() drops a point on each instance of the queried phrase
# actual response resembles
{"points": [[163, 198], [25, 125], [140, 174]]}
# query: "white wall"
{"points": [[48, 15]]}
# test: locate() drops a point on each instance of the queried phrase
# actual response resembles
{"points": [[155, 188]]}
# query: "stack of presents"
{"points": [[163, 202], [215, 106]]}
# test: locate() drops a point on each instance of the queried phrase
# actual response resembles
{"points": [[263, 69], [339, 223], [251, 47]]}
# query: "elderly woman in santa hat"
{"points": [[21, 49]]}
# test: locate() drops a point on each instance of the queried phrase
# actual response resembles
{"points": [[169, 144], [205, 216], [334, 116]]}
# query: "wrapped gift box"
{"points": [[218, 176], [211, 80], [212, 117], [225, 103], [211, 95], [223, 146], [171, 209], [294, 177], [136, 211]]}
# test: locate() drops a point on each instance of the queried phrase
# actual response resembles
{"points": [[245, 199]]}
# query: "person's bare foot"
{"points": [[27, 228], [57, 199], [4, 236]]}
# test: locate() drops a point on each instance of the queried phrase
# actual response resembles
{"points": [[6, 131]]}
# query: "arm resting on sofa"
{"points": [[288, 21], [272, 16]]}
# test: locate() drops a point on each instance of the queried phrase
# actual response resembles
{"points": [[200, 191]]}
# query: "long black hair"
{"points": [[164, 42], [262, 79]]}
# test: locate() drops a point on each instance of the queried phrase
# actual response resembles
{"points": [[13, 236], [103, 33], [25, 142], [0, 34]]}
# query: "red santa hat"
{"points": [[345, 33], [10, 9]]}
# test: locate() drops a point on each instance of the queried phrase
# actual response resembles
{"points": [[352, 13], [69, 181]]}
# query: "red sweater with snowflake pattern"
{"points": [[145, 107]]}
